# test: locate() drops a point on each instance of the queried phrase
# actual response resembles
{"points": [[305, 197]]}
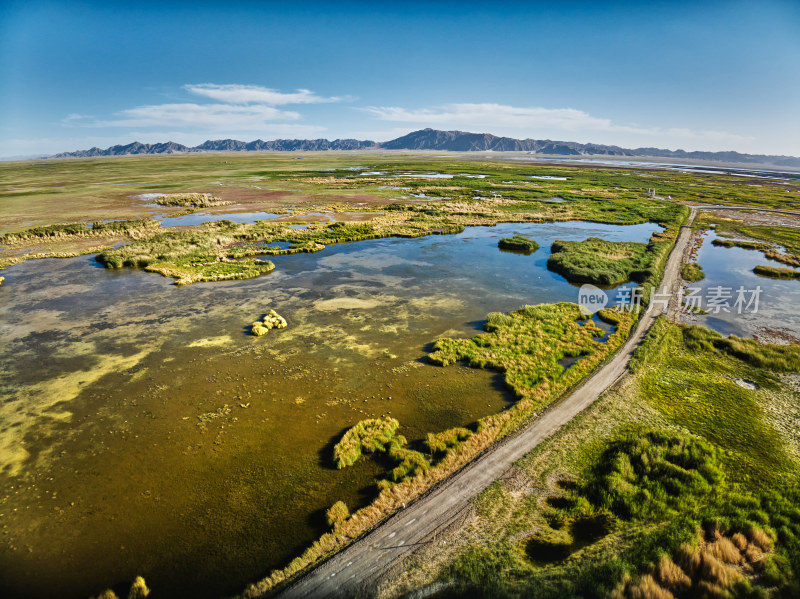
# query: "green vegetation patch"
{"points": [[526, 345], [123, 226], [663, 487], [692, 272], [337, 514], [779, 358], [777, 273], [652, 475], [739, 243], [190, 200], [271, 320], [207, 269], [379, 435], [601, 262], [68, 230], [441, 443], [788, 237], [60, 230], [518, 243], [372, 434]]}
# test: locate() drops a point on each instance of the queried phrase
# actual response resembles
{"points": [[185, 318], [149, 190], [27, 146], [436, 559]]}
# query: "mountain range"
{"points": [[432, 139]]}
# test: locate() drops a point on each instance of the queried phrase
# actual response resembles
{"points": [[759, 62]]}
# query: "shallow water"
{"points": [[146, 432], [732, 268], [424, 175]]}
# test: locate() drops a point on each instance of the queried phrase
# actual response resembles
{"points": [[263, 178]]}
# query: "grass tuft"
{"points": [[518, 243], [337, 514], [692, 272], [372, 434], [777, 273]]}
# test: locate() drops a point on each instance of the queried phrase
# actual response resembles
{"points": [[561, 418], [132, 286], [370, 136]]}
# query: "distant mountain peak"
{"points": [[432, 139]]}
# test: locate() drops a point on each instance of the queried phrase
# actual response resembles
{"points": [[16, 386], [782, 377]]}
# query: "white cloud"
{"points": [[254, 94], [74, 119], [491, 115], [209, 116], [549, 122], [236, 108]]}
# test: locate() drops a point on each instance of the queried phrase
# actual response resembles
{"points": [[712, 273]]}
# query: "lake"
{"points": [[145, 431]]}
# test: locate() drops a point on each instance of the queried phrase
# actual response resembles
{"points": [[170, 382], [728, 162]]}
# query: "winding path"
{"points": [[355, 570]]}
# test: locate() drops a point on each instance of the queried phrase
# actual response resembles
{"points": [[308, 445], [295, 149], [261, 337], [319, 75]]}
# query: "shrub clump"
{"points": [[653, 474], [518, 243], [719, 565], [190, 200], [272, 320], [379, 435], [777, 273], [440, 443], [368, 435], [337, 514], [138, 590], [692, 272]]}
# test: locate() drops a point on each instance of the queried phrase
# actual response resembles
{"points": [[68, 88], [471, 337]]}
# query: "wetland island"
{"points": [[368, 373]]}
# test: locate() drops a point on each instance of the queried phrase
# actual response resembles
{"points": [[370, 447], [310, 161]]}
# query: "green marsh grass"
{"points": [[379, 435], [601, 262], [370, 435], [337, 514], [79, 230], [518, 243], [692, 272], [776, 273], [190, 200], [675, 481], [440, 443]]}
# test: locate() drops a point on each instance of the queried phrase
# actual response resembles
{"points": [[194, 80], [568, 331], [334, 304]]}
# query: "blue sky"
{"points": [[691, 75]]}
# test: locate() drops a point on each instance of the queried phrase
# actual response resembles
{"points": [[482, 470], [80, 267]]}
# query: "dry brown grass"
{"points": [[725, 550], [761, 539], [710, 569], [644, 588], [671, 576], [740, 541]]}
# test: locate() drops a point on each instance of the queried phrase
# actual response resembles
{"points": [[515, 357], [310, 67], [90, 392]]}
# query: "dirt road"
{"points": [[354, 570]]}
